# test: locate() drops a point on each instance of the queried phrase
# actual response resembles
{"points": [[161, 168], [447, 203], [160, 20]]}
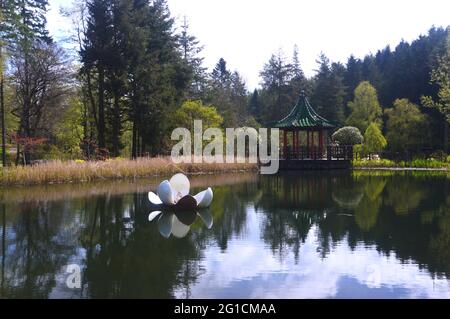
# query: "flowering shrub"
{"points": [[348, 135]]}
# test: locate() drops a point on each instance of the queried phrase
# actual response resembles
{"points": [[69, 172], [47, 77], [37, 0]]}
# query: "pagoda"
{"points": [[303, 118]]}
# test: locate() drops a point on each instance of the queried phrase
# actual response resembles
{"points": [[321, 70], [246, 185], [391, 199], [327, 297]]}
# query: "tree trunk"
{"points": [[101, 108], [2, 111], [116, 126], [133, 142], [446, 132], [138, 143]]}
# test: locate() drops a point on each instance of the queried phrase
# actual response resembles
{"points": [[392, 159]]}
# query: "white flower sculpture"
{"points": [[175, 193]]}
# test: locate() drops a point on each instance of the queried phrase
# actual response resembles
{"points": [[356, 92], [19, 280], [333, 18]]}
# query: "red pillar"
{"points": [[321, 143], [313, 146], [293, 143], [307, 142], [298, 143]]}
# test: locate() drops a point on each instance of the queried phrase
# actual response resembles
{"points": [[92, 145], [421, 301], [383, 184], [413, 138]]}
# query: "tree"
{"points": [[8, 25], [407, 128], [374, 140], [227, 90], [329, 91], [220, 74], [134, 72], [352, 77], [67, 133], [96, 54], [22, 24], [239, 99], [41, 81], [365, 108], [298, 81], [190, 50], [441, 77], [348, 136], [195, 110], [276, 77], [254, 106]]}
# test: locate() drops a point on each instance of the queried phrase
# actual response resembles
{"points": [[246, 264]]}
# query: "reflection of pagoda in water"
{"points": [[306, 191]]}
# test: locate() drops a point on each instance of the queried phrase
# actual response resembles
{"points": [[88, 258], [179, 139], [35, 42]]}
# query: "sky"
{"points": [[246, 32]]}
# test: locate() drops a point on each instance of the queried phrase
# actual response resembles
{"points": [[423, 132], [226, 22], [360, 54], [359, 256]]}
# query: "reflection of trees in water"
{"points": [[38, 241], [229, 210], [124, 261], [139, 262], [440, 243], [292, 205], [366, 212], [125, 254], [404, 195], [397, 214]]}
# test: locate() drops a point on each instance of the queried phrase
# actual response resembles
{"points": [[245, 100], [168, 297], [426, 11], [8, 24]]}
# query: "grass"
{"points": [[56, 172], [416, 163]]}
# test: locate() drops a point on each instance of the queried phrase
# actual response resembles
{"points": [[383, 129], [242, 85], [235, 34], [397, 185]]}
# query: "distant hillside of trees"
{"points": [[134, 70]]}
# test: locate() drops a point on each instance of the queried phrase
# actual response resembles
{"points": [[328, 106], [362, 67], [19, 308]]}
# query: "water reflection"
{"points": [[178, 224], [294, 236]]}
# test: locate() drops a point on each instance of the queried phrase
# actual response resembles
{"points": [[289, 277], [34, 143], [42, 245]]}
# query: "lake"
{"points": [[299, 235]]}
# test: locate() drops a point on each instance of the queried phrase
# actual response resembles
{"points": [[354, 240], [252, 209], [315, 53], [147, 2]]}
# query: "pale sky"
{"points": [[246, 32]]}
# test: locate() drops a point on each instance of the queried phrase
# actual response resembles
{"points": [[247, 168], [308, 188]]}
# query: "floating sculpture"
{"points": [[174, 195]]}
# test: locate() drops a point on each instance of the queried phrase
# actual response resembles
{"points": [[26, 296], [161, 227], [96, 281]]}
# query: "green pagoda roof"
{"points": [[303, 116]]}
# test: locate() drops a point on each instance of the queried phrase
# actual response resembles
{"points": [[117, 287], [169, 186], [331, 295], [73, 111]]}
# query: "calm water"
{"points": [[345, 235]]}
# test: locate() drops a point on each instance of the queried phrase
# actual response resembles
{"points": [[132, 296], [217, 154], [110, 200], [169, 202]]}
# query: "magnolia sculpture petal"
{"points": [[165, 223], [206, 217], [154, 199], [179, 229], [153, 215], [180, 186], [204, 198], [165, 193]]}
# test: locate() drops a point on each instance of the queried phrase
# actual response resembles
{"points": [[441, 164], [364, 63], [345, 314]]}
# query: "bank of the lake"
{"points": [[73, 172], [416, 164], [59, 172]]}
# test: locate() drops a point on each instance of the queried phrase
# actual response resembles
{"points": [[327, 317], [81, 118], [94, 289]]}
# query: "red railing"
{"points": [[344, 152]]}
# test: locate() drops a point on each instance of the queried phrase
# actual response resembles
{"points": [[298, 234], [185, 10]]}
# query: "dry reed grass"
{"points": [[57, 172]]}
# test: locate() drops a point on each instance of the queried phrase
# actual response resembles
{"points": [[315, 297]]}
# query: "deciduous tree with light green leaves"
{"points": [[374, 140], [365, 108], [407, 128], [195, 110]]}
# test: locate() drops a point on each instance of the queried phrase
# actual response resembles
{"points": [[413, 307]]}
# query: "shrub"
{"points": [[348, 135]]}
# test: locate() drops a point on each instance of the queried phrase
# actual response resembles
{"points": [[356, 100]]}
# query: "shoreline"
{"points": [[73, 172], [441, 169]]}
